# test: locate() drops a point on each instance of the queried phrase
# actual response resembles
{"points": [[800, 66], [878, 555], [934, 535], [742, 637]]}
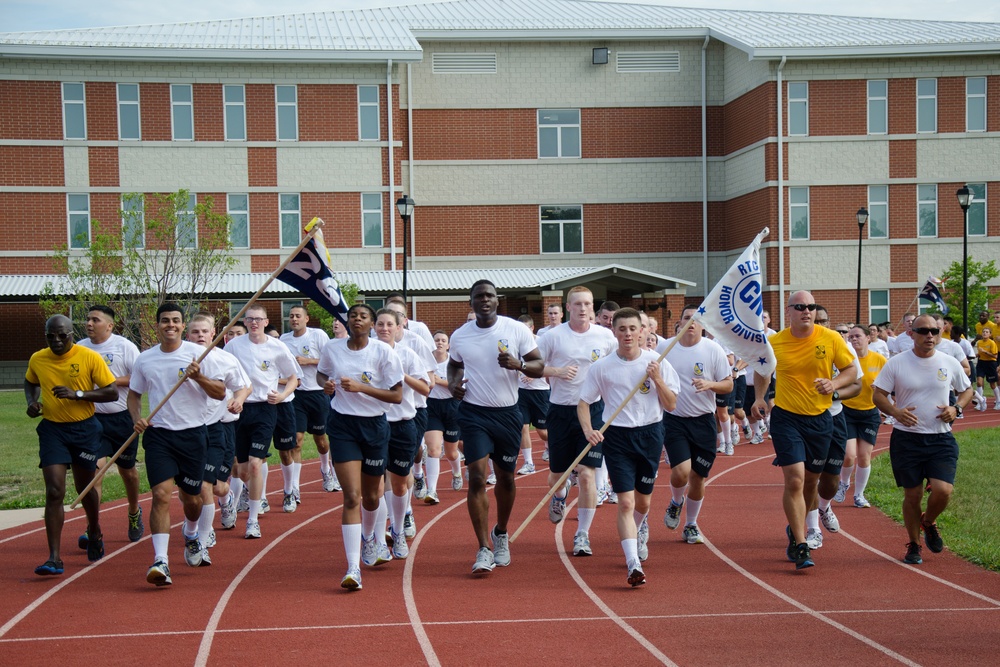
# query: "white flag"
{"points": [[732, 311]]}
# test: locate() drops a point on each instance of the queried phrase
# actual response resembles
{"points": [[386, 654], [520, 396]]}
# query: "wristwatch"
{"points": [[958, 410], [523, 365], [79, 394]]}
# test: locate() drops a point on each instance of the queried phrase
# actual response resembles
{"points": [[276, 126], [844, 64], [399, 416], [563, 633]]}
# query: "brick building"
{"points": [[633, 148]]}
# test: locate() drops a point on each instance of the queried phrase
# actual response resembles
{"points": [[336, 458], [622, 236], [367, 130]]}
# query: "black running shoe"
{"points": [[136, 527], [82, 541], [912, 554], [95, 549], [790, 549], [932, 538], [802, 557]]}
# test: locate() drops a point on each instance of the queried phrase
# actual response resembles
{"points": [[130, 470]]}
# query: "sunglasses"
{"points": [[842, 331], [803, 306], [924, 331]]}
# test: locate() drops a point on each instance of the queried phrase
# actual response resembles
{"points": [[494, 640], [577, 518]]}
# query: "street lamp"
{"points": [[965, 200], [862, 219], [405, 207]]}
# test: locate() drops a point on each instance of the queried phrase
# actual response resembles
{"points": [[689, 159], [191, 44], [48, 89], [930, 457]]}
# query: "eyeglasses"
{"points": [[823, 322], [842, 331], [803, 306], [924, 331], [253, 320]]}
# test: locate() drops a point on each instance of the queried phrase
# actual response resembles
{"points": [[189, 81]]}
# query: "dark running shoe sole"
{"points": [[95, 549], [790, 549], [49, 568], [932, 537]]}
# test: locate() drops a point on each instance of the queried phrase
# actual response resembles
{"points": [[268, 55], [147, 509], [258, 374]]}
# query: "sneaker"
{"points": [[456, 482], [545, 454], [210, 542], [501, 548], [692, 535], [95, 549], [352, 580], [982, 405], [602, 495], [932, 537], [369, 550], [288, 504], [265, 506], [734, 433], [841, 492], [862, 502], [642, 538], [636, 577], [50, 568], [409, 526], [913, 554], [431, 498], [526, 469], [419, 487], [814, 538], [830, 521], [491, 479], [996, 404], [672, 518], [399, 548], [136, 527], [484, 561], [729, 449], [574, 478], [720, 448], [158, 574], [612, 497], [243, 505], [82, 541], [792, 546], [757, 438], [228, 514], [557, 507], [581, 545], [802, 557], [382, 554], [298, 495], [193, 552], [747, 432], [329, 481], [253, 531]]}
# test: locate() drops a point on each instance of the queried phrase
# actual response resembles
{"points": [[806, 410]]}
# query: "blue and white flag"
{"points": [[931, 293], [732, 312], [309, 272]]}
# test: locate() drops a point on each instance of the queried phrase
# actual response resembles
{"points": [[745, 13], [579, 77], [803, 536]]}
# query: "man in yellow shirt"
{"points": [[801, 425], [60, 383], [984, 323]]}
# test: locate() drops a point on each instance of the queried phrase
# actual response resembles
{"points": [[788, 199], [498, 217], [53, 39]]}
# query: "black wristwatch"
{"points": [[836, 395], [958, 409]]}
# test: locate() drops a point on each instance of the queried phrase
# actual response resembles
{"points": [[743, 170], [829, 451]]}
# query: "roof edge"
{"points": [[175, 54]]}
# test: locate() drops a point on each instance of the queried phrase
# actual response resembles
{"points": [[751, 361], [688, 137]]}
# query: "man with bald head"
{"points": [[60, 386]]}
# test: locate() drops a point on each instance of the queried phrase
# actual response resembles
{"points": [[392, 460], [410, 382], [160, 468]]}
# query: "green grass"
{"points": [[971, 524]]}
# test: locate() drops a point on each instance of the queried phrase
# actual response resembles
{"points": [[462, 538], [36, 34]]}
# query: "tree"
{"points": [[980, 274], [325, 319]]}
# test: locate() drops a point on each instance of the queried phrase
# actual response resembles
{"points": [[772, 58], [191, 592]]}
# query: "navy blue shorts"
{"points": [[221, 452], [118, 427], [534, 406], [690, 438], [801, 438], [420, 423], [633, 457], [364, 439], [312, 408], [69, 443], [178, 455], [566, 439], [838, 445], [285, 425], [862, 424], [442, 415], [738, 394], [724, 401], [493, 432], [254, 430], [987, 370], [403, 445], [919, 456]]}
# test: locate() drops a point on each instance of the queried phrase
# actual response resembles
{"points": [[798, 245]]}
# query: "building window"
{"points": [[238, 209], [878, 107], [181, 112], [368, 129], [234, 101], [133, 221], [371, 220], [798, 213], [878, 305], [291, 220], [927, 224], [878, 211], [78, 212], [558, 133], [926, 105], [286, 310], [975, 104], [129, 128], [798, 109], [977, 210], [286, 99], [562, 228], [186, 232], [74, 111], [235, 307]]}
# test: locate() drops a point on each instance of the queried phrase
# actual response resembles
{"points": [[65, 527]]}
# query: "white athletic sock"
{"points": [[205, 522], [160, 543], [490, 463], [563, 491], [368, 523], [254, 511], [418, 468], [236, 488], [526, 453], [324, 463], [263, 478], [759, 427], [381, 516], [631, 548], [745, 423], [861, 480], [720, 439], [456, 467], [693, 509], [228, 498], [397, 510], [677, 494], [190, 528], [845, 475], [352, 545], [286, 478], [812, 520], [601, 476], [824, 504], [432, 469], [584, 518], [638, 518], [727, 432], [296, 476]]}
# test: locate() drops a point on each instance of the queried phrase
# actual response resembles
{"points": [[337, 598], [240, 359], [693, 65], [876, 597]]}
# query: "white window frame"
{"points": [[294, 105], [134, 216], [129, 103], [978, 99], [231, 211], [791, 210], [181, 106], [282, 212], [235, 307], [926, 96], [798, 104], [241, 106], [559, 127], [872, 307], [928, 203], [883, 99], [875, 202], [73, 103], [365, 212], [562, 230], [369, 105], [978, 203], [191, 213], [70, 212]]}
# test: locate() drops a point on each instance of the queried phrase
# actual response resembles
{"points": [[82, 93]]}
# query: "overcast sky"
{"points": [[18, 15]]}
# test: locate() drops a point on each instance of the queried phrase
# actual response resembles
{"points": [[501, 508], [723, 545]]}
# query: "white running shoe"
{"points": [[642, 539], [228, 513], [409, 526], [419, 487], [484, 561], [491, 479], [720, 448], [757, 438], [352, 580], [612, 497], [210, 542], [814, 538], [400, 549], [729, 449], [501, 548], [194, 553], [431, 498], [243, 504], [861, 502], [672, 518], [369, 550], [557, 509], [253, 531], [545, 454], [456, 483], [581, 545], [841, 492], [288, 504], [328, 481], [383, 554], [692, 535], [526, 469], [265, 506], [830, 521], [734, 433]]}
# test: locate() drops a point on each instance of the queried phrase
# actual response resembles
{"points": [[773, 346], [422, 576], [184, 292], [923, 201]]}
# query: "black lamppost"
{"points": [[965, 200], [405, 207], [862, 219]]}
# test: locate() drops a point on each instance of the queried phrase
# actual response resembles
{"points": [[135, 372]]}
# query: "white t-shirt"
{"points": [[879, 346], [156, 372], [375, 364], [425, 354], [952, 349], [234, 377], [421, 330], [265, 363], [923, 384], [705, 360], [904, 343], [612, 378], [489, 385], [441, 391], [414, 367], [119, 353], [967, 348], [562, 346], [307, 345]]}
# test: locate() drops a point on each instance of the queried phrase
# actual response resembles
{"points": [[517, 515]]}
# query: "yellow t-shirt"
{"points": [[871, 365], [989, 323], [800, 362], [79, 368], [989, 347]]}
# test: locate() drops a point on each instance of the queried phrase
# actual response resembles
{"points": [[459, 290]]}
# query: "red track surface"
{"points": [[735, 600]]}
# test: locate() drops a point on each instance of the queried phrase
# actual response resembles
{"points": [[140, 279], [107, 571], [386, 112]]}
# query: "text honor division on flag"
{"points": [[309, 272]]}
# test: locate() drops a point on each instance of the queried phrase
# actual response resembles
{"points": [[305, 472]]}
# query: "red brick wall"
{"points": [[951, 103], [36, 166], [903, 211], [647, 132], [741, 219], [903, 263], [903, 159], [154, 110], [902, 106], [102, 111], [264, 221], [103, 166], [992, 104], [261, 114], [31, 110], [837, 107], [833, 212], [43, 213], [341, 211], [330, 112], [31, 325], [262, 167], [474, 134], [750, 118], [208, 123]]}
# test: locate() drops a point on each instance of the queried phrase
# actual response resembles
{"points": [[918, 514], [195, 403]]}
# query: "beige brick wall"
{"points": [[329, 168], [889, 68], [76, 164], [957, 159], [742, 74], [197, 167], [838, 162], [826, 266], [744, 172]]}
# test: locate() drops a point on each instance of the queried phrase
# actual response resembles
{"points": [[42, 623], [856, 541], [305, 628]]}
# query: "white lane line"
{"points": [[79, 516], [588, 591]]}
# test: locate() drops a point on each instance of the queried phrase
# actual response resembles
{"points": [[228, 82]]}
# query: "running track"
{"points": [[735, 600]]}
